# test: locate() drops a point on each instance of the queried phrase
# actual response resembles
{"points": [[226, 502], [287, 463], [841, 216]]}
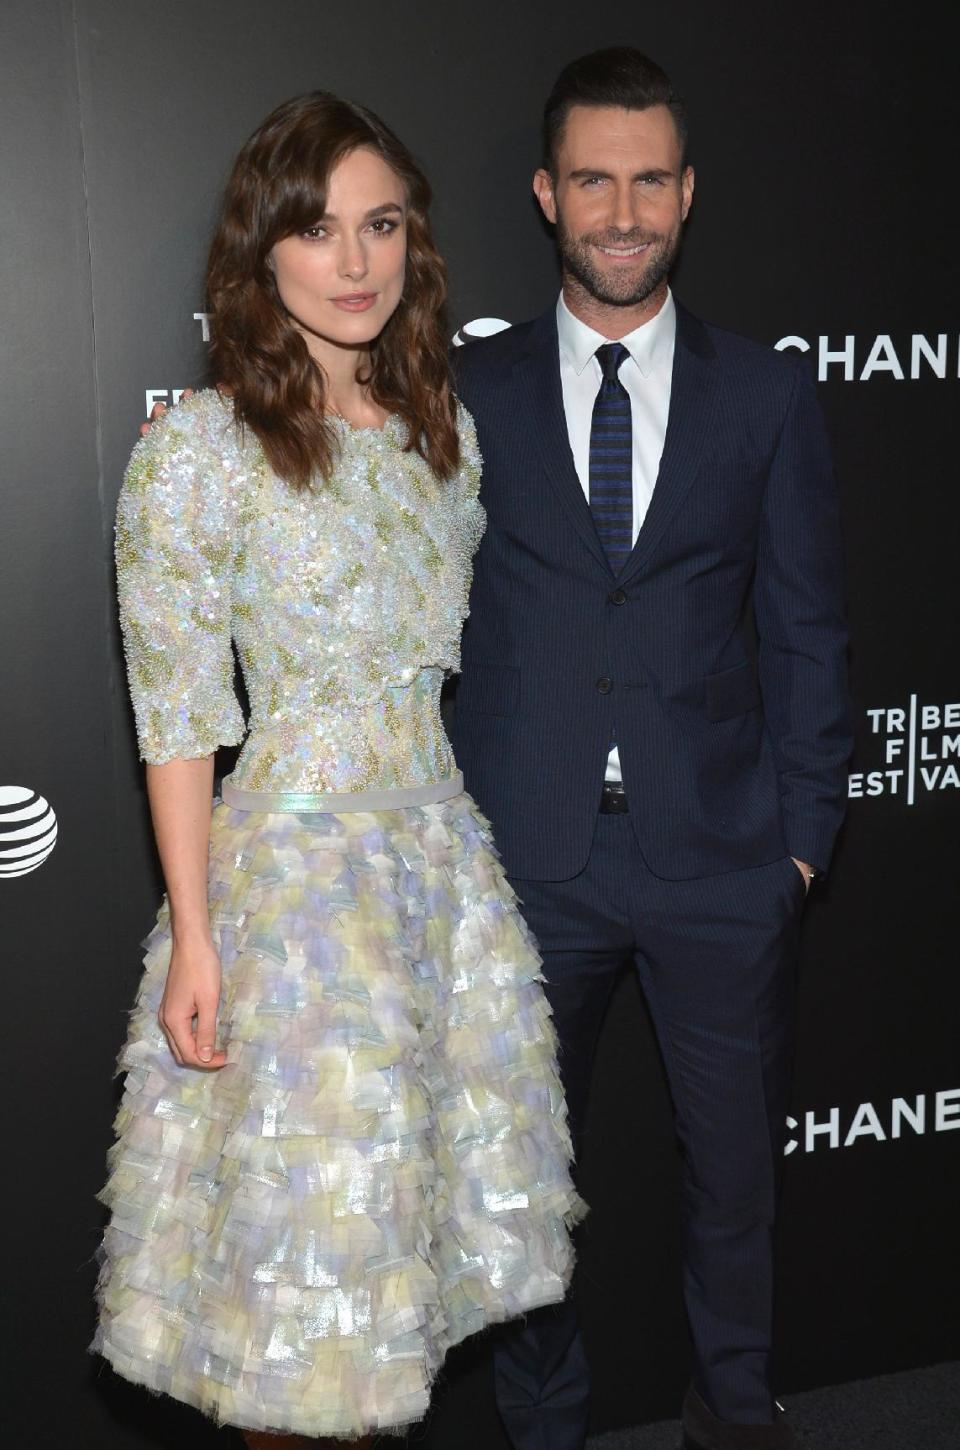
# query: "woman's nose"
{"points": [[353, 261]]}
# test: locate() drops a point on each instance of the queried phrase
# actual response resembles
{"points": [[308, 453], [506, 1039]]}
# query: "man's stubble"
{"points": [[632, 288]]}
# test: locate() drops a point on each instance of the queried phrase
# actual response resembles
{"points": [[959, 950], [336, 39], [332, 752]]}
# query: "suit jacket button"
{"points": [[604, 685], [618, 597]]}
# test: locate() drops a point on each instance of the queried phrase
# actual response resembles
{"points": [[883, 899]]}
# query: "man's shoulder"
{"points": [[743, 356], [479, 356]]}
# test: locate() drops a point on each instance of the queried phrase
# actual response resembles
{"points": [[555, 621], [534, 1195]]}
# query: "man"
{"points": [[653, 709]]}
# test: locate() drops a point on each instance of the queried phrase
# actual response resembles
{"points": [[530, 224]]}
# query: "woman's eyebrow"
{"points": [[374, 211]]}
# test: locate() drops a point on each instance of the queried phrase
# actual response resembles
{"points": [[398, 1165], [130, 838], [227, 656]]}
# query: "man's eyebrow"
{"points": [[375, 211], [583, 172]]}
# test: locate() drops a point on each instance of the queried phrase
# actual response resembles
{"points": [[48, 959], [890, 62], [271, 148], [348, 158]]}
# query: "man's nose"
{"points": [[625, 209]]}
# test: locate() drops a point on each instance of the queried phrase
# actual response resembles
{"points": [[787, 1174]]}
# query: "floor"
{"points": [[917, 1410]]}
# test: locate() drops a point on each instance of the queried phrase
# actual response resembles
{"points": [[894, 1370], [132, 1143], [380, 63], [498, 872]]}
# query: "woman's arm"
{"points": [[180, 793], [175, 548]]}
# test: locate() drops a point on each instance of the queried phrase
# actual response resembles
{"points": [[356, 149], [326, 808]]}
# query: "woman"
{"points": [[342, 1145]]}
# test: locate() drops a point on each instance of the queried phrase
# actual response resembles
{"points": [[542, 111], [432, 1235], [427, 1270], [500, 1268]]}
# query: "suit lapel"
{"points": [[694, 393], [541, 397]]}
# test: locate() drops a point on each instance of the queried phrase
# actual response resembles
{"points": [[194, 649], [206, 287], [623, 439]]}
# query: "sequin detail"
{"points": [[381, 1168], [345, 602]]}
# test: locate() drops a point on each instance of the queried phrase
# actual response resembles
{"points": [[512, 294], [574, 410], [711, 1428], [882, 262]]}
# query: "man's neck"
{"points": [[612, 322]]}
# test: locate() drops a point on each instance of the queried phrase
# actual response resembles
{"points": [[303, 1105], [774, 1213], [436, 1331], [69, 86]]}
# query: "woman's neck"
{"points": [[341, 367]]}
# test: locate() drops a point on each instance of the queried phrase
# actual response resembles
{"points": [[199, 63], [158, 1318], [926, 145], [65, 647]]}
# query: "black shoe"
{"points": [[703, 1431]]}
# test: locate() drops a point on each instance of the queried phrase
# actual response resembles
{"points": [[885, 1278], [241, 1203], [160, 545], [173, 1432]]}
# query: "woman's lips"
{"points": [[355, 301]]}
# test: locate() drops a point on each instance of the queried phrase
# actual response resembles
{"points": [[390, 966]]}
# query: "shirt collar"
{"points": [[648, 345]]}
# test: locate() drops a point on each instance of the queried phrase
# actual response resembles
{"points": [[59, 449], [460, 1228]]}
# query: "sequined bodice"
{"points": [[345, 602]]}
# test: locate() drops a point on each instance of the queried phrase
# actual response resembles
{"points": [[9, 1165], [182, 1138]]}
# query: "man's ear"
{"points": [[686, 191], [543, 191]]}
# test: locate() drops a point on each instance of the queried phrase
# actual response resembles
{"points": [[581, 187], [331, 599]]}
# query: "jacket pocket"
{"points": [[731, 692], [489, 690]]}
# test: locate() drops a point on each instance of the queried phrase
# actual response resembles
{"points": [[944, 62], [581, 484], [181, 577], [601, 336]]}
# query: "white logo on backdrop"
{"points": [[856, 360], [883, 1125], [28, 830], [919, 751], [161, 395]]}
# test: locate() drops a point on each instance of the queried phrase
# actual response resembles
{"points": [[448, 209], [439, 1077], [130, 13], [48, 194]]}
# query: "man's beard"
{"points": [[628, 288]]}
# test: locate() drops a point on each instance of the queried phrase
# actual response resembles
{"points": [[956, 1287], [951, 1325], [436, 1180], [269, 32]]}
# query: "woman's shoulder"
{"points": [[205, 420], [193, 444], [465, 424]]}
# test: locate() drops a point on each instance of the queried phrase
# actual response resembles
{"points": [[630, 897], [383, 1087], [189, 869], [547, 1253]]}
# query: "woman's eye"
{"points": [[314, 233], [383, 226]]}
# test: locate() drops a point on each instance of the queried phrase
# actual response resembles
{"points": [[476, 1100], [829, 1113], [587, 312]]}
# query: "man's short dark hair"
{"points": [[619, 76]]}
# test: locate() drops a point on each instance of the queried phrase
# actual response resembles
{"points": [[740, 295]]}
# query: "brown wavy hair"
{"points": [[277, 188]]}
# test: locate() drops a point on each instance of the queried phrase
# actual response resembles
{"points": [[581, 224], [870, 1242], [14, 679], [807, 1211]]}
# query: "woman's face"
{"points": [[342, 278]]}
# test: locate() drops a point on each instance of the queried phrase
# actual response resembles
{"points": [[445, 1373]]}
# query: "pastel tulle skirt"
{"points": [[383, 1165]]}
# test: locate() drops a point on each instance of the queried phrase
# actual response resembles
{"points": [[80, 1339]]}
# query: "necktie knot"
{"points": [[611, 357]]}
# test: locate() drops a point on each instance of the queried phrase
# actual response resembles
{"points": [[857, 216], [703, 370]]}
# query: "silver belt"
{"points": [[303, 801]]}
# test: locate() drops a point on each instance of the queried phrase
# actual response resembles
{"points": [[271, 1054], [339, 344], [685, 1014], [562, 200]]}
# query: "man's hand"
{"points": [[805, 871], [158, 410]]}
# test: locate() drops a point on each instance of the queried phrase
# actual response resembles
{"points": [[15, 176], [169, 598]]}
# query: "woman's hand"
{"points": [[193, 992], [158, 410], [181, 795]]}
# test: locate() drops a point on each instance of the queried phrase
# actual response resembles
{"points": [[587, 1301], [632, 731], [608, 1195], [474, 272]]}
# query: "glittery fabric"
{"points": [[383, 1165], [345, 602], [380, 1169]]}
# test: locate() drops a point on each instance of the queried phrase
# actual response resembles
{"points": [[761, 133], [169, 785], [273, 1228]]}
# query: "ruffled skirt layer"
{"points": [[381, 1168]]}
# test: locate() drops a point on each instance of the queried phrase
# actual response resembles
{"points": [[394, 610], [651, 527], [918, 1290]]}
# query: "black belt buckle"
{"points": [[613, 799]]}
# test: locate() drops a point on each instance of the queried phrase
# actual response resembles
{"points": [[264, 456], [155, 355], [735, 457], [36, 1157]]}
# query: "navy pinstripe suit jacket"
{"points": [[716, 659]]}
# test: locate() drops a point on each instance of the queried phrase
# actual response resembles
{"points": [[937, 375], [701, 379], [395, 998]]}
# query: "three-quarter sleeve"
{"points": [[175, 550]]}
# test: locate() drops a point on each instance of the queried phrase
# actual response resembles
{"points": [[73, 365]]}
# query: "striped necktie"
{"points": [[611, 458]]}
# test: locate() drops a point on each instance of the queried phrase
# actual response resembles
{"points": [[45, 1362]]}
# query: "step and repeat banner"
{"points": [[822, 139]]}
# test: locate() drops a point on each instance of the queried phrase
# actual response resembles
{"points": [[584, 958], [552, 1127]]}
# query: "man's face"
{"points": [[618, 198]]}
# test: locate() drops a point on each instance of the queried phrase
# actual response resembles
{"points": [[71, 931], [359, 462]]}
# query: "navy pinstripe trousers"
{"points": [[716, 959]]}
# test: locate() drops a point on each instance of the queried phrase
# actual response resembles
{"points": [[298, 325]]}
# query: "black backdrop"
{"points": [[823, 137]]}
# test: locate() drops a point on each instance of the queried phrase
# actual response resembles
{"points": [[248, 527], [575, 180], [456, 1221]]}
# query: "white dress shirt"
{"points": [[646, 374]]}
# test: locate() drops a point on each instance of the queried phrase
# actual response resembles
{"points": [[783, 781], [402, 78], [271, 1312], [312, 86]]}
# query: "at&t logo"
{"points": [[480, 327], [28, 830]]}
